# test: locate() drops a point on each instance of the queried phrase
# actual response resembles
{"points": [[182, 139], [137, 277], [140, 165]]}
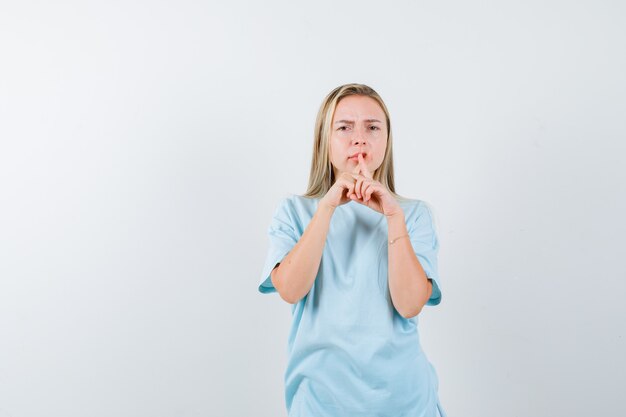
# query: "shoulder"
{"points": [[417, 210], [413, 206], [296, 207], [296, 202]]}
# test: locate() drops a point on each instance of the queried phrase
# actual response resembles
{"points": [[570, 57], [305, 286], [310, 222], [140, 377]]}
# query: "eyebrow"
{"points": [[351, 122]]}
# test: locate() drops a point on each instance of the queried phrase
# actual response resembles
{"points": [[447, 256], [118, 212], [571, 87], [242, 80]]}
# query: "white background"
{"points": [[144, 146]]}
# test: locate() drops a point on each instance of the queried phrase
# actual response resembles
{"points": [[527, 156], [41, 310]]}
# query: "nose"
{"points": [[358, 137]]}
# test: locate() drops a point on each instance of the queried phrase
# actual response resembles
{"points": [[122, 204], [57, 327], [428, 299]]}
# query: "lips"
{"points": [[356, 155]]}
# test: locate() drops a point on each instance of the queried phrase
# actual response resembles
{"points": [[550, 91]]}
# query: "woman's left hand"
{"points": [[372, 193]]}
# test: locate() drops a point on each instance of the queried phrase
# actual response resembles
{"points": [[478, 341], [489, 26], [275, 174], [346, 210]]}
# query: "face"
{"points": [[357, 126]]}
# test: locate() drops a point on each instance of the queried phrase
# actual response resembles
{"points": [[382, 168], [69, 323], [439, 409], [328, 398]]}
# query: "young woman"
{"points": [[357, 262]]}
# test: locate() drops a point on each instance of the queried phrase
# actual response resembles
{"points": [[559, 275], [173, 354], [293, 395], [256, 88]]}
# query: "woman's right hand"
{"points": [[340, 191]]}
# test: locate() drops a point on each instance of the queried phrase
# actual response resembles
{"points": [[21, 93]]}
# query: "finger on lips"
{"points": [[360, 173], [364, 169]]}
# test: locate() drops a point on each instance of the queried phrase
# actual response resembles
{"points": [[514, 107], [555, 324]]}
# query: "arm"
{"points": [[293, 277], [409, 287]]}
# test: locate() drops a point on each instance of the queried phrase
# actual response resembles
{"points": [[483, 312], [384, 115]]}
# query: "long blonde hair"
{"points": [[322, 177]]}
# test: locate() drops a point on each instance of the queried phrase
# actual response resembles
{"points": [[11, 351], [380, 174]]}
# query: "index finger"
{"points": [[363, 167]]}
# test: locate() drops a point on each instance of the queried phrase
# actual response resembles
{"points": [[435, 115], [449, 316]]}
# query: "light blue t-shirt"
{"points": [[350, 353]]}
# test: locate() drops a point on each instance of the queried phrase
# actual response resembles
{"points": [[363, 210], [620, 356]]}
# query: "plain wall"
{"points": [[144, 146]]}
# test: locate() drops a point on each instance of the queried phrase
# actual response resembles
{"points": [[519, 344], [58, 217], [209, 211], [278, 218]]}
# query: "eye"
{"points": [[375, 127], [341, 127]]}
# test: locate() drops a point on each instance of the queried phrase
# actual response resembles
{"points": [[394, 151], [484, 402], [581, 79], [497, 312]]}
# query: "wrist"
{"points": [[395, 216], [325, 207]]}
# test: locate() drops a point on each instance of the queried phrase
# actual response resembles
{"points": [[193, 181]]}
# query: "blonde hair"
{"points": [[322, 177]]}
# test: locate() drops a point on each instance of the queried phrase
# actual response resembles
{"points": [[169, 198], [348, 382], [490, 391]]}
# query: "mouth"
{"points": [[356, 156]]}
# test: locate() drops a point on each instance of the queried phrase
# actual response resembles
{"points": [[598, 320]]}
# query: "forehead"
{"points": [[358, 107]]}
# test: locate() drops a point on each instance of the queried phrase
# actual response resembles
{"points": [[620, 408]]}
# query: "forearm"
{"points": [[408, 285], [295, 275]]}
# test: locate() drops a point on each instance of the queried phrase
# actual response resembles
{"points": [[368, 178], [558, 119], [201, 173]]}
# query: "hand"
{"points": [[372, 193], [340, 190]]}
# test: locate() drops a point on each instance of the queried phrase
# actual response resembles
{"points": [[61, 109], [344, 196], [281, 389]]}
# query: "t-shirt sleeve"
{"points": [[423, 236], [282, 237]]}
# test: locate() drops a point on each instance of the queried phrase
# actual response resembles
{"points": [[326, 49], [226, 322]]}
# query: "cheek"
{"points": [[337, 149], [380, 151]]}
